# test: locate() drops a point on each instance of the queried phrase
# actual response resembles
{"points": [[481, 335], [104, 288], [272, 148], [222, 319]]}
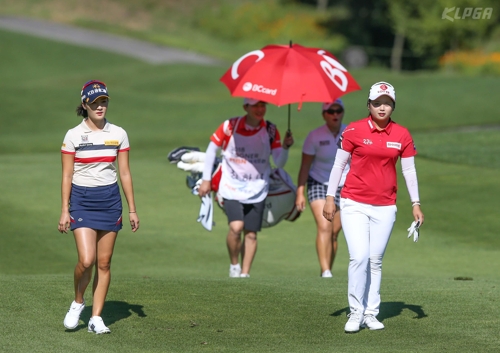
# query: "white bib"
{"points": [[246, 167]]}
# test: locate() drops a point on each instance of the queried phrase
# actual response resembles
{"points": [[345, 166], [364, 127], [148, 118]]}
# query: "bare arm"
{"points": [[305, 166], [128, 188], [68, 162]]}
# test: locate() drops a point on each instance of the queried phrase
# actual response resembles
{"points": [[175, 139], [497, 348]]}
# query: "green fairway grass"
{"points": [[170, 290]]}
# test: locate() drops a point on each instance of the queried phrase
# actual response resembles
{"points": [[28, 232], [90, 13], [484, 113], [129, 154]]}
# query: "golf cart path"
{"points": [[145, 51]]}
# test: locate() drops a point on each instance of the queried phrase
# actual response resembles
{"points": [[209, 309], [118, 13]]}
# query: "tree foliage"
{"points": [[423, 29], [433, 27]]}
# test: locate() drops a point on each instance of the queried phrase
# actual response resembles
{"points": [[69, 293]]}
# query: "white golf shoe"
{"points": [[354, 322], [327, 274], [244, 275], [97, 325], [372, 323], [234, 271], [73, 315]]}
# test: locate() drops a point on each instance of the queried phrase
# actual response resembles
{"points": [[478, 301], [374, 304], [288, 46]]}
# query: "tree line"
{"points": [[412, 34]]}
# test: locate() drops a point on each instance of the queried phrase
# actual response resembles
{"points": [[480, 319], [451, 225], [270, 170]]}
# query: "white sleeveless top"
{"points": [[245, 165]]}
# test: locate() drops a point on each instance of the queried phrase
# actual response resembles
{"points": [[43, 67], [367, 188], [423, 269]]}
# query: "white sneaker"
{"points": [[355, 320], [245, 275], [327, 274], [97, 325], [372, 323], [73, 315], [234, 271]]}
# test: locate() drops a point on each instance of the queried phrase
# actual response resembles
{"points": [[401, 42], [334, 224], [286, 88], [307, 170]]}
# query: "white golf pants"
{"points": [[367, 230]]}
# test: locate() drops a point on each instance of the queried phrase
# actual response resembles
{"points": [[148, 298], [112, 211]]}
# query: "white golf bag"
{"points": [[280, 200], [279, 203]]}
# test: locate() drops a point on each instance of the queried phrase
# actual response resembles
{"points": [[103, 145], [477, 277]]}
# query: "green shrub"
{"points": [[267, 22], [472, 62]]}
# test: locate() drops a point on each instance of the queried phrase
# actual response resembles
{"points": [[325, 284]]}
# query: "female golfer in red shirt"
{"points": [[368, 199]]}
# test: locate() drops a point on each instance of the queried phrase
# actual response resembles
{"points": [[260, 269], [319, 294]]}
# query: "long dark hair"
{"points": [[81, 112]]}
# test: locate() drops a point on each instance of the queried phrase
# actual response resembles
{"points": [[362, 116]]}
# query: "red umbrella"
{"points": [[284, 74]]}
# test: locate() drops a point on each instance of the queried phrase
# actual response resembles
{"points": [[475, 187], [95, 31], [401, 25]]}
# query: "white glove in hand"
{"points": [[195, 188], [414, 229]]}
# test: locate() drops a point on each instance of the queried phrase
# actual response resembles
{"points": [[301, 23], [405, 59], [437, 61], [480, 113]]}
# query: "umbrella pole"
{"points": [[288, 118], [289, 107]]}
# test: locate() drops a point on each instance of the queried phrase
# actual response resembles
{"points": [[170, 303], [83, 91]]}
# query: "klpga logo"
{"points": [[475, 13]]}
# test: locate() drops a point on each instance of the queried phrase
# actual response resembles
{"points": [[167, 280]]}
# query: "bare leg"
{"points": [[105, 245], [324, 237], [337, 226], [248, 250], [234, 241], [85, 239]]}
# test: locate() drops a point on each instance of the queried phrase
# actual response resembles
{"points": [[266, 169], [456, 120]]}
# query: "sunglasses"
{"points": [[333, 111]]}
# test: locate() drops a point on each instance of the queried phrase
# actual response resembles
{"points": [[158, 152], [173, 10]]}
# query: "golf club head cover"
{"points": [[193, 157], [175, 155], [196, 167]]}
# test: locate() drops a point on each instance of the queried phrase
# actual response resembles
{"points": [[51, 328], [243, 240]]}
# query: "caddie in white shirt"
{"points": [[246, 148]]}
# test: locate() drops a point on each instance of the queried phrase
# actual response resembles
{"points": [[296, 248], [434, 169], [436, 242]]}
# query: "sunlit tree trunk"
{"points": [[397, 52], [322, 5]]}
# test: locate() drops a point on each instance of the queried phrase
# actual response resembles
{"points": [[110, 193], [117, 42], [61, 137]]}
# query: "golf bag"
{"points": [[280, 200]]}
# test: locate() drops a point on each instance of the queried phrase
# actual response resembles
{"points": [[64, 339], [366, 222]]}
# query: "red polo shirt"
{"points": [[374, 153]]}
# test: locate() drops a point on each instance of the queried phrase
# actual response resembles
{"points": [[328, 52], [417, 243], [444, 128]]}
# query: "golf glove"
{"points": [[414, 230]]}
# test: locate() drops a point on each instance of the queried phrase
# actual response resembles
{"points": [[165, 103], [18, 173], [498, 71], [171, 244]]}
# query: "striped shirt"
{"points": [[95, 153]]}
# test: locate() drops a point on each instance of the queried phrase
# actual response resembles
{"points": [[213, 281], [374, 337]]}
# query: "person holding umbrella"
{"points": [[368, 199], [318, 155], [247, 143]]}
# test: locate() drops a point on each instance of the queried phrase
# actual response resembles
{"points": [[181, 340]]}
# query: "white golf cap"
{"points": [[380, 89], [251, 101], [327, 105]]}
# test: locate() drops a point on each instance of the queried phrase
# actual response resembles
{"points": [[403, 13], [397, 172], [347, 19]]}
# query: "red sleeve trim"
{"points": [[223, 133]]}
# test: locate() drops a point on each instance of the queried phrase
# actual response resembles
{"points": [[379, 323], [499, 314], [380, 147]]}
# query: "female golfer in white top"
{"points": [[91, 201], [318, 155], [368, 199]]}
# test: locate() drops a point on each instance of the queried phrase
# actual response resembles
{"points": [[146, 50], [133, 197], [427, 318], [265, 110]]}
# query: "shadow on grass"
{"points": [[390, 309], [113, 311]]}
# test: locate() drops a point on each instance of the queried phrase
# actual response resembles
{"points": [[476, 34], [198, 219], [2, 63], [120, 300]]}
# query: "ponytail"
{"points": [[81, 112]]}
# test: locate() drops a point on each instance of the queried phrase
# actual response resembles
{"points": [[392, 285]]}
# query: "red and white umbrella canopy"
{"points": [[284, 74]]}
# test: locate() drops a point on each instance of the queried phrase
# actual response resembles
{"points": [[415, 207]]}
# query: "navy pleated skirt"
{"points": [[99, 208]]}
